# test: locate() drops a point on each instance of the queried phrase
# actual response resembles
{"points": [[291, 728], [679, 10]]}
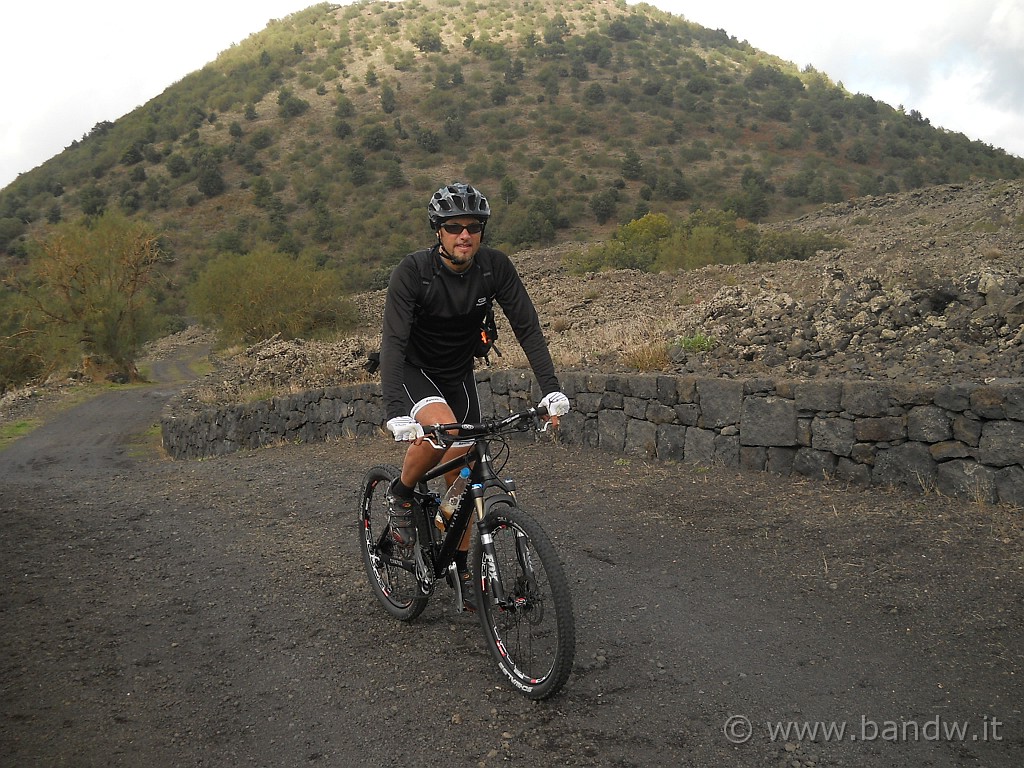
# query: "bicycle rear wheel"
{"points": [[392, 579], [532, 633]]}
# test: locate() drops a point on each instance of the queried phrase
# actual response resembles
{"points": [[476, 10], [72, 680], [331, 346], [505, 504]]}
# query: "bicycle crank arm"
{"points": [[452, 576], [424, 572]]}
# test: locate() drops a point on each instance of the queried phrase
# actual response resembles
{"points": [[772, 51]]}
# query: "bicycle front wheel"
{"points": [[528, 622], [392, 579]]}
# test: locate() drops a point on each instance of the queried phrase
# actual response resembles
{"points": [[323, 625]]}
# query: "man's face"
{"points": [[462, 244]]}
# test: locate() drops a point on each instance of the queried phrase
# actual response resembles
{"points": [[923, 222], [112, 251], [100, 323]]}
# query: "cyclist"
{"points": [[436, 301]]}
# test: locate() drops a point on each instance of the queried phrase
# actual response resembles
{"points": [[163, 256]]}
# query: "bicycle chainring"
{"points": [[424, 571]]}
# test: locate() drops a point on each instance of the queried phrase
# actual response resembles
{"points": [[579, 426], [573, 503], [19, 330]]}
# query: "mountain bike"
{"points": [[521, 592]]}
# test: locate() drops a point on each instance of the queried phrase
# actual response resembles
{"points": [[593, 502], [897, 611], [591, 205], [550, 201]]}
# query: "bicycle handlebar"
{"points": [[472, 430]]}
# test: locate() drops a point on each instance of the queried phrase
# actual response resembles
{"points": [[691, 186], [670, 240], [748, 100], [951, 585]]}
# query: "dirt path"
{"points": [[215, 613]]}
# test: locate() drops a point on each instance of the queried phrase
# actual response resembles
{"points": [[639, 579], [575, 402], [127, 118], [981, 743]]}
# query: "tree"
{"points": [[704, 245], [323, 222], [499, 94], [87, 289], [131, 156], [261, 139], [620, 31], [177, 165], [635, 245], [548, 80], [752, 201], [11, 228], [344, 107], [291, 106], [92, 199], [632, 164], [342, 129], [603, 205], [509, 190], [388, 101], [673, 186], [130, 201], [593, 95], [376, 138], [428, 141], [858, 153], [454, 128], [20, 358], [427, 40], [515, 71], [556, 30], [262, 192], [210, 182]]}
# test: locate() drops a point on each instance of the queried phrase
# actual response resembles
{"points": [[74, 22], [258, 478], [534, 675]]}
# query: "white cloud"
{"points": [[960, 64], [1004, 45]]}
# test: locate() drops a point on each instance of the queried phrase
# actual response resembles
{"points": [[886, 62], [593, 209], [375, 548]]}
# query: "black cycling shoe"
{"points": [[466, 580], [402, 521]]}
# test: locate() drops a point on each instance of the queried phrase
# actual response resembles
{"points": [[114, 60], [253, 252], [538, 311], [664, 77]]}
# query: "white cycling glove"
{"points": [[557, 404], [405, 428]]}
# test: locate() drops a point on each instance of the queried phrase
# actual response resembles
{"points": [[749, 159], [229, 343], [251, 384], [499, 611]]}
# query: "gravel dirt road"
{"points": [[215, 613]]}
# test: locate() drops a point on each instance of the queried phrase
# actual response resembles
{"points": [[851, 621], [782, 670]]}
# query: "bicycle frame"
{"points": [[482, 477]]}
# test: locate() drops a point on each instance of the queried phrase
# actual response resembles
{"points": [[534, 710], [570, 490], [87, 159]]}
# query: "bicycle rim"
{"points": [[394, 585], [532, 635]]}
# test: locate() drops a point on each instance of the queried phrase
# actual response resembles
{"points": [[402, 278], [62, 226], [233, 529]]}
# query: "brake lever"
{"points": [[436, 445], [540, 424]]}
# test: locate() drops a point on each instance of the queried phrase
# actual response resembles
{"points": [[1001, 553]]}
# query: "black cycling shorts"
{"points": [[422, 388]]}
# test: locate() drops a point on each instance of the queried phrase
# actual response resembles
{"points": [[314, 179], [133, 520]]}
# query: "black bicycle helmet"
{"points": [[457, 199]]}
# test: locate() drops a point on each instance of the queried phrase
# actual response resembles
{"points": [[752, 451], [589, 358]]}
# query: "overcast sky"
{"points": [[68, 65]]}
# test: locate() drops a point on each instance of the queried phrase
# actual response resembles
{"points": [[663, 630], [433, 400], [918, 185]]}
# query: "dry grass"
{"points": [[638, 344], [652, 357]]}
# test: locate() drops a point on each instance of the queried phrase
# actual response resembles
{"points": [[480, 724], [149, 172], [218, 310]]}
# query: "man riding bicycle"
{"points": [[436, 302]]}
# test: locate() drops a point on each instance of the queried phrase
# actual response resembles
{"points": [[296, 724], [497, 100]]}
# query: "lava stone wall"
{"points": [[959, 439]]}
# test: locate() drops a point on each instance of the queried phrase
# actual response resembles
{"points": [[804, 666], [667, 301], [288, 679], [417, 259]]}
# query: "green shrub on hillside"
{"points": [[653, 243], [698, 247], [791, 244], [256, 295]]}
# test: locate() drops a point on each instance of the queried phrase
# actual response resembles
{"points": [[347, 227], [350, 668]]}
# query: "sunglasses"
{"points": [[456, 229]]}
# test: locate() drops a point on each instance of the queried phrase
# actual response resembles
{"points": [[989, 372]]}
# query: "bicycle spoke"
{"points": [[391, 574], [531, 629]]}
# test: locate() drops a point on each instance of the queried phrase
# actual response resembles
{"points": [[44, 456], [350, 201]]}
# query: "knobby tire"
{"points": [[533, 636], [395, 587]]}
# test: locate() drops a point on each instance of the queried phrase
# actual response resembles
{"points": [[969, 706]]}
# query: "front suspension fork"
{"points": [[489, 557]]}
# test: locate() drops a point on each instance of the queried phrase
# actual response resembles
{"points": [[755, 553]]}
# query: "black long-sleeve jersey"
{"points": [[432, 319]]}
